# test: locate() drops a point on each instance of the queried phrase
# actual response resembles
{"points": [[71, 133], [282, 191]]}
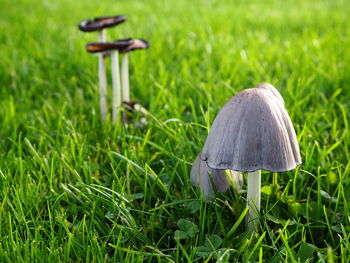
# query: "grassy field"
{"points": [[74, 189]]}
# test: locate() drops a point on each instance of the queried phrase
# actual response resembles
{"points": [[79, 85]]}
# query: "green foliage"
{"points": [[211, 244], [186, 229], [74, 189]]}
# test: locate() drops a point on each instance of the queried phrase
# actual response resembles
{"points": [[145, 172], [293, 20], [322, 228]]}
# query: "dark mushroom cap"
{"points": [[130, 105], [252, 132], [99, 23], [137, 44], [105, 46]]}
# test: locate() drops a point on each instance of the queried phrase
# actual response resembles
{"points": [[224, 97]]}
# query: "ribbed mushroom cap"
{"points": [[137, 44], [105, 46], [273, 90], [101, 22], [201, 173], [252, 132]]}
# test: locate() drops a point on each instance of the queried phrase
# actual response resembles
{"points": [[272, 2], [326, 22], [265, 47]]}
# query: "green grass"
{"points": [[73, 189]]}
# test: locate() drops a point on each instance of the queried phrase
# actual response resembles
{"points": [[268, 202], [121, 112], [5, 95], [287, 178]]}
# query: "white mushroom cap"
{"points": [[252, 132], [273, 90], [201, 173]]}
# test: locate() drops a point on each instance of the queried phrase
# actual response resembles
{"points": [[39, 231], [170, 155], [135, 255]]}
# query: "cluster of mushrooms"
{"points": [[121, 91], [252, 132]]}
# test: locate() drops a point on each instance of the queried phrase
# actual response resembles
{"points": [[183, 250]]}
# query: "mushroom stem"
{"points": [[125, 78], [116, 85], [102, 78], [253, 199], [102, 35]]}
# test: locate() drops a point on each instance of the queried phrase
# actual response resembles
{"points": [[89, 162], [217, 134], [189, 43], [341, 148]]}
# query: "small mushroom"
{"points": [[252, 132], [137, 44], [98, 47], [114, 48], [131, 108], [98, 24]]}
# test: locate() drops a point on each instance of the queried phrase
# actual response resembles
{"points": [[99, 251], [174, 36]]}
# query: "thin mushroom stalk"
{"points": [[125, 78], [102, 78], [253, 199], [135, 44], [116, 86]]}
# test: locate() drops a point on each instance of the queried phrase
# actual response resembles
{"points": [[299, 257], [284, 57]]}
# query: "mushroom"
{"points": [[252, 132], [203, 176], [98, 24], [137, 44], [114, 47], [273, 90]]}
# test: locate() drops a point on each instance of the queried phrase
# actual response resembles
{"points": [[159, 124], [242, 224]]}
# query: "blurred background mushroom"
{"points": [[136, 44], [114, 47], [252, 132], [99, 24]]}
